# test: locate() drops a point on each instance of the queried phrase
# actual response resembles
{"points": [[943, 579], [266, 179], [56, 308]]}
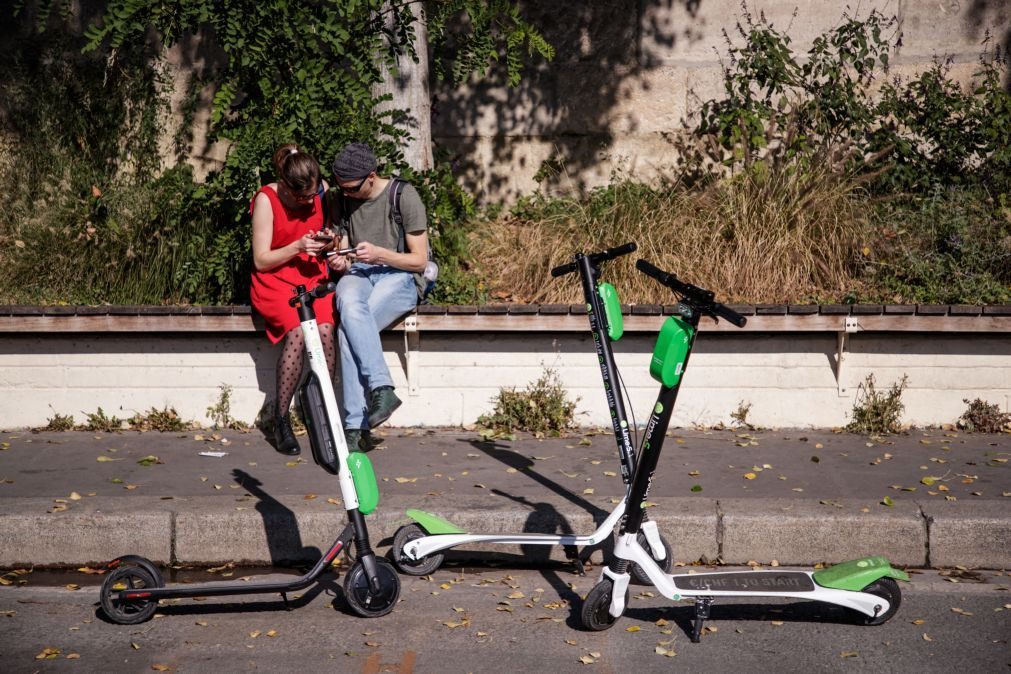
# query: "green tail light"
{"points": [[671, 351], [612, 311], [365, 481]]}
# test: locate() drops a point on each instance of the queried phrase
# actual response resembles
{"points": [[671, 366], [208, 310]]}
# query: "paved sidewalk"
{"points": [[793, 496]]}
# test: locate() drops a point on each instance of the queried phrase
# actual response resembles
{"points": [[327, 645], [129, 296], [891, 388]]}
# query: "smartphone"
{"points": [[342, 251], [322, 238]]}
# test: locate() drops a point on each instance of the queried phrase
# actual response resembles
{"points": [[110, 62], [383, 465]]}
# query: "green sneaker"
{"points": [[384, 402]]}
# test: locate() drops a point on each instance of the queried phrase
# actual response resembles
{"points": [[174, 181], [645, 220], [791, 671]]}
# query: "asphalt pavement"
{"points": [[924, 498]]}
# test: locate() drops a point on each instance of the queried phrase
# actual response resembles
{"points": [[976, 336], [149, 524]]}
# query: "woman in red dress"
{"points": [[287, 215]]}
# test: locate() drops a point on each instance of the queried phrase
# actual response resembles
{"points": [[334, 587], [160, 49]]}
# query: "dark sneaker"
{"points": [[383, 404], [353, 436], [361, 440], [284, 438]]}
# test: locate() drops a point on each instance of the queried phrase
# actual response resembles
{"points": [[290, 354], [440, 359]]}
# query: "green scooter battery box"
{"points": [[671, 351]]}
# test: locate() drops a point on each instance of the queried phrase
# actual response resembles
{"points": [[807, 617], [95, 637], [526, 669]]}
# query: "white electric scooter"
{"points": [[417, 547], [865, 586]]}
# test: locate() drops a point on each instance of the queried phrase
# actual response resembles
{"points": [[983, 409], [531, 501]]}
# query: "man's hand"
{"points": [[339, 263], [369, 253]]}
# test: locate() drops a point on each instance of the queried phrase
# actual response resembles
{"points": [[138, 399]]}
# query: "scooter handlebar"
{"points": [[596, 258], [324, 289], [694, 293]]}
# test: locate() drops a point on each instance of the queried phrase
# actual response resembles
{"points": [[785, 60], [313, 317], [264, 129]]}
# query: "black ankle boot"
{"points": [[284, 439]]}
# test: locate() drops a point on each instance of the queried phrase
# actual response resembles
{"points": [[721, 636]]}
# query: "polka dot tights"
{"points": [[289, 363]]}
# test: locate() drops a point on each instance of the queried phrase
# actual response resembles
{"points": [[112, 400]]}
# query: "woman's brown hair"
{"points": [[296, 169]]}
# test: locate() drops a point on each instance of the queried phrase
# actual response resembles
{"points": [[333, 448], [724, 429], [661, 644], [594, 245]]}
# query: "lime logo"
{"points": [[624, 424], [862, 563], [658, 409], [589, 308]]}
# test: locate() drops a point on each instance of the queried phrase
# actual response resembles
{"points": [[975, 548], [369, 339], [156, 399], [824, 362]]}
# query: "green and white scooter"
{"points": [[417, 548], [865, 586], [131, 591]]}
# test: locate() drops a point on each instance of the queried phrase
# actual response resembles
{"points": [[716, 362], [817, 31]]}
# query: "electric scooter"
{"points": [[417, 546], [865, 586], [134, 585]]}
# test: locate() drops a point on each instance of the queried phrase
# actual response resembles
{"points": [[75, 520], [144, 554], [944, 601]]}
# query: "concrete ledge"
{"points": [[980, 531], [215, 530], [793, 532], [29, 536]]}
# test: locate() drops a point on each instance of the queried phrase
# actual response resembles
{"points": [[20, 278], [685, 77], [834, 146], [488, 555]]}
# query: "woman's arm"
{"points": [[266, 258]]}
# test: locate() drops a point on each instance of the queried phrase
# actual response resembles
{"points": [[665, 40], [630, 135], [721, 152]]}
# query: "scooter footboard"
{"points": [[317, 423]]}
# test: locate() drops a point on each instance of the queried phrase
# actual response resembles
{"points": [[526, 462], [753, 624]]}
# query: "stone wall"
{"points": [[626, 76]]}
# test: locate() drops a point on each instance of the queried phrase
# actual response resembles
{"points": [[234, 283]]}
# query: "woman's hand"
{"points": [[309, 245], [339, 263]]}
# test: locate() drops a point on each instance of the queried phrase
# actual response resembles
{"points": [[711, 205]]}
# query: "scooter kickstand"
{"points": [[572, 553], [702, 605]]}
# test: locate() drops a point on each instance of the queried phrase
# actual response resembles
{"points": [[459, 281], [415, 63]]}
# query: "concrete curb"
{"points": [[214, 530]]}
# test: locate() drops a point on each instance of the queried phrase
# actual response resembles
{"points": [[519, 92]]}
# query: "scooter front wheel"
{"points": [[362, 599], [131, 612], [596, 615], [413, 567], [887, 589], [666, 564]]}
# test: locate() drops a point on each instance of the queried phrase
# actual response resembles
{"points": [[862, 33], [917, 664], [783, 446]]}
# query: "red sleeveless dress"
{"points": [[271, 290]]}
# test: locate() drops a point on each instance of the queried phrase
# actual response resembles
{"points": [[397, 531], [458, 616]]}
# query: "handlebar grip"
{"points": [[324, 289], [729, 314], [649, 270], [564, 269], [618, 251]]}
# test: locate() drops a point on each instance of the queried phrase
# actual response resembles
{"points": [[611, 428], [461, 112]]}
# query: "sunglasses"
{"points": [[356, 188]]}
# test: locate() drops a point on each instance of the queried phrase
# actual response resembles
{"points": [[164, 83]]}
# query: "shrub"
{"points": [[60, 422], [99, 422], [540, 408], [165, 420], [877, 411], [982, 417], [221, 411]]}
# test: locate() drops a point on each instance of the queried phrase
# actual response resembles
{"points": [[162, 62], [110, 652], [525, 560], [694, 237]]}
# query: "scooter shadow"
{"points": [[683, 614], [207, 605]]}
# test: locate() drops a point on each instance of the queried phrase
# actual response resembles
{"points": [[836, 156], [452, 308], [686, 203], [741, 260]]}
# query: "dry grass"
{"points": [[760, 237]]}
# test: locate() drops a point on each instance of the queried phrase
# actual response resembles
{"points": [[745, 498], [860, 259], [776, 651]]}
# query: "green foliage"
{"points": [[91, 172], [542, 407], [495, 30], [60, 423], [982, 417], [100, 423], [949, 247], [877, 411], [221, 411], [165, 420], [784, 108]]}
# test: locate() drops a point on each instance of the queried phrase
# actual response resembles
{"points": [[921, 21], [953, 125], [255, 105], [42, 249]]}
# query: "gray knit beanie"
{"points": [[354, 162]]}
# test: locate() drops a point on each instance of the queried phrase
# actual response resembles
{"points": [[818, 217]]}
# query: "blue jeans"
{"points": [[369, 298]]}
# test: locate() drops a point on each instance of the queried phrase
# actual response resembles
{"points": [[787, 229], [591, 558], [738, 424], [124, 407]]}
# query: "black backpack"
{"points": [[424, 284]]}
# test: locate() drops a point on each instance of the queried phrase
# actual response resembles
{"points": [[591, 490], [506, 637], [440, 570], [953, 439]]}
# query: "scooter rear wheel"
{"points": [[595, 615], [142, 562], [666, 564], [131, 612], [412, 567], [887, 589], [359, 595]]}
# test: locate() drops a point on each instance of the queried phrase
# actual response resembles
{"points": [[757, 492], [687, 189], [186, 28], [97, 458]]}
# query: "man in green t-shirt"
{"points": [[377, 286]]}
